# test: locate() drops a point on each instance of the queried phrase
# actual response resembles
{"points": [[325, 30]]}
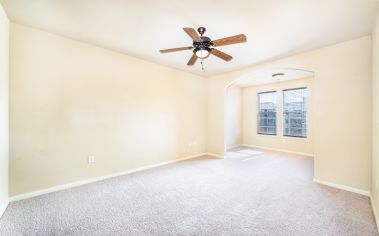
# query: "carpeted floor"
{"points": [[248, 193]]}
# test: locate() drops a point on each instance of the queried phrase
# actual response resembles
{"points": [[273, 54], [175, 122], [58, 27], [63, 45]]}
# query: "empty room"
{"points": [[168, 117]]}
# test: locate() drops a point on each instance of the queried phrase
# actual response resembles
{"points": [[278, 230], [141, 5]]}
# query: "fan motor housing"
{"points": [[205, 43]]}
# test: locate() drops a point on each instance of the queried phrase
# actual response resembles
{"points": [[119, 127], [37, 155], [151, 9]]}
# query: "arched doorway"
{"points": [[244, 127]]}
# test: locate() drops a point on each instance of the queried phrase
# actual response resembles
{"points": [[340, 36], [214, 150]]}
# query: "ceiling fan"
{"points": [[203, 46]]}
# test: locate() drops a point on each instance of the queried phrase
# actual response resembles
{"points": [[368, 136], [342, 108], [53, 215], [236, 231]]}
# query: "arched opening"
{"points": [[270, 109]]}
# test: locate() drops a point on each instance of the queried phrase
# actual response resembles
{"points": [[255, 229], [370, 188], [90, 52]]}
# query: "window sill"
{"points": [[299, 137], [267, 134]]}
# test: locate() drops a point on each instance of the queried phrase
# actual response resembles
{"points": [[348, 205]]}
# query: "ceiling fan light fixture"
{"points": [[203, 46], [202, 53], [278, 76]]}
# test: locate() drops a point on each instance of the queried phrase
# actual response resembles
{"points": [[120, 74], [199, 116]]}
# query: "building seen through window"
{"points": [[295, 112], [267, 113]]}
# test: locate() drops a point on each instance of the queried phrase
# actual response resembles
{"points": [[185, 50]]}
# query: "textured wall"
{"points": [[70, 100], [375, 123], [342, 101], [233, 116], [4, 110]]}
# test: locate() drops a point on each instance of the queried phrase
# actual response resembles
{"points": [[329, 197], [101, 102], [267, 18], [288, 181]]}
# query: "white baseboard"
{"points": [[215, 155], [375, 212], [95, 179], [3, 207], [343, 187], [278, 150], [234, 146]]}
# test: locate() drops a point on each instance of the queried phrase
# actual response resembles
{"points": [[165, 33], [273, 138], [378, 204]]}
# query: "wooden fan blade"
{"points": [[193, 34], [221, 55], [230, 40], [192, 60], [175, 49]]}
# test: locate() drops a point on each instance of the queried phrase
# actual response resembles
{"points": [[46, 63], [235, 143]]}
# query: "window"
{"points": [[267, 113], [295, 112]]}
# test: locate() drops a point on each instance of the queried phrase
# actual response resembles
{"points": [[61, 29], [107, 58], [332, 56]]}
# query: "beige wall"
{"points": [[250, 111], [342, 99], [4, 111], [70, 100], [375, 123], [233, 116]]}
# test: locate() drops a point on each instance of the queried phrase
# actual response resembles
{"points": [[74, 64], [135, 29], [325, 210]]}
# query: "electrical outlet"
{"points": [[91, 159]]}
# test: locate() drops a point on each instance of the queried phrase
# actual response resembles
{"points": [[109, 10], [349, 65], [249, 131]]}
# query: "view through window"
{"points": [[295, 112], [267, 113]]}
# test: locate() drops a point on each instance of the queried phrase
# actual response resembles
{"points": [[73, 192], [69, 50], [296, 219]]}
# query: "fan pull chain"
{"points": [[202, 65]]}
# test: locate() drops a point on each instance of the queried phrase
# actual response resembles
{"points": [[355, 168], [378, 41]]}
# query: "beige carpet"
{"points": [[256, 194]]}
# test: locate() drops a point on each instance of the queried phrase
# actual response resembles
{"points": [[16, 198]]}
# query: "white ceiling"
{"points": [[265, 76], [274, 28]]}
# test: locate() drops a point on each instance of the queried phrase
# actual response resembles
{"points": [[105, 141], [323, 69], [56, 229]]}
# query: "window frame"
{"points": [[306, 116], [276, 113]]}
